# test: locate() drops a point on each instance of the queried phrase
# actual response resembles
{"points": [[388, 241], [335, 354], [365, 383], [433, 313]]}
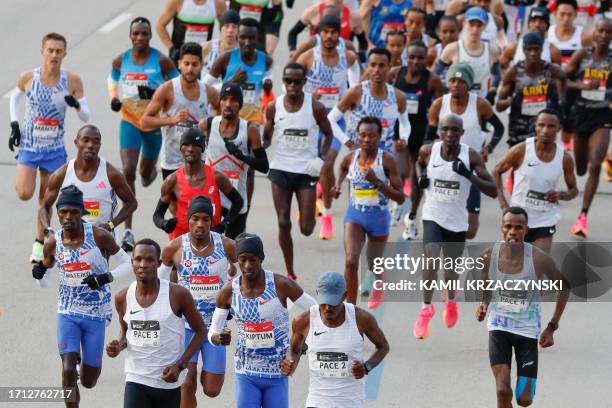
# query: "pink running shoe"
{"points": [[327, 228], [319, 207], [567, 146], [292, 276], [376, 298], [580, 227], [451, 314], [407, 188], [421, 327]]}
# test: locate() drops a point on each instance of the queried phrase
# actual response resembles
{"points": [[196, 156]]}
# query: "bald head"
{"points": [[90, 130], [451, 120]]}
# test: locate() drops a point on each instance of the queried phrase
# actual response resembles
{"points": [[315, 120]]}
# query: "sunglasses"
{"points": [[290, 81]]}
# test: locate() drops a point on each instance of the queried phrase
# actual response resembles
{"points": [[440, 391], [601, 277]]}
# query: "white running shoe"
{"points": [[411, 231], [397, 210]]}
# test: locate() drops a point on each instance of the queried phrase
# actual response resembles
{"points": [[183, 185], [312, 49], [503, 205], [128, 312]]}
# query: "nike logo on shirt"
{"points": [[438, 165], [263, 302], [319, 333], [532, 164], [134, 311]]}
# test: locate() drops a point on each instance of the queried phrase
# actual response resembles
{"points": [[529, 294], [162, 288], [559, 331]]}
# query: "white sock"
{"points": [[326, 211], [428, 306]]}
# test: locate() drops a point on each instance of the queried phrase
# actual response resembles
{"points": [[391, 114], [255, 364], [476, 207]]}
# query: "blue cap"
{"points": [[331, 289], [477, 13]]}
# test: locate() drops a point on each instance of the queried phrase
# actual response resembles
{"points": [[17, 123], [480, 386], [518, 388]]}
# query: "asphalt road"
{"points": [[450, 368]]}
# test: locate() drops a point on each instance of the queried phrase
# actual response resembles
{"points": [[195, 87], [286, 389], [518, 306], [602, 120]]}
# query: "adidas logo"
{"points": [[101, 185]]}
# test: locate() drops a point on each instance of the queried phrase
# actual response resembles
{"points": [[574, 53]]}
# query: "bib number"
{"points": [[329, 97], [248, 93], [204, 287], [365, 195], [196, 33], [259, 336], [388, 27], [74, 273], [93, 207], [445, 191], [144, 333], [412, 103], [532, 105], [330, 365], [537, 201], [46, 128], [233, 176], [597, 95], [131, 83], [251, 12], [440, 5], [513, 301], [295, 138]]}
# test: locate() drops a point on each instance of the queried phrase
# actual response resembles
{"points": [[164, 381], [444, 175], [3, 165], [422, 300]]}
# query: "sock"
{"points": [[326, 211], [127, 230], [584, 211], [427, 305]]}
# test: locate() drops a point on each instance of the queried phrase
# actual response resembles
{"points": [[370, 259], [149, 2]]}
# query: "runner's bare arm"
{"points": [[481, 311], [229, 245], [187, 309], [53, 187], [507, 55], [423, 159], [512, 160], [123, 191], [343, 171], [435, 86], [213, 98], [394, 189], [114, 347], [560, 81], [171, 9], [572, 67], [570, 179], [302, 48], [167, 196], [268, 130], [225, 186], [369, 326], [482, 179], [24, 80], [170, 259], [161, 101], [299, 331], [167, 66], [504, 100], [365, 11], [49, 252], [555, 55], [320, 116], [221, 8], [75, 86]]}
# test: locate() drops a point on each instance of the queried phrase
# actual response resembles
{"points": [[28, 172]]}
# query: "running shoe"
{"points": [[580, 227], [366, 284], [37, 252], [510, 182], [608, 175], [407, 188], [128, 242], [376, 298], [411, 231], [567, 146], [319, 206], [397, 211], [292, 276], [451, 314], [327, 228], [421, 327]]}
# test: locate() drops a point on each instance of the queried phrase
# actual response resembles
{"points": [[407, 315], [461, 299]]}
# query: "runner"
{"points": [[82, 253], [447, 31], [230, 143], [183, 102], [153, 333], [494, 26], [202, 259], [193, 179], [100, 182], [421, 87], [335, 361], [592, 112], [258, 301], [192, 21], [475, 112], [447, 169], [396, 43], [481, 56], [539, 163], [513, 319], [227, 41], [373, 180], [268, 14], [49, 91], [295, 119], [139, 70], [416, 19], [383, 16]]}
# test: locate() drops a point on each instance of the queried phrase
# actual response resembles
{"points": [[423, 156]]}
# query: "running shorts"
{"points": [[590, 120], [373, 223], [212, 357], [142, 396], [501, 344], [261, 392], [45, 161], [149, 143], [82, 335], [292, 181], [542, 232]]}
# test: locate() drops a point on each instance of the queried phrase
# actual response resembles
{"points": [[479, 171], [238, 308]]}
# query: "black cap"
{"points": [[329, 21], [231, 89], [229, 17], [193, 136], [199, 204], [539, 12], [71, 196], [249, 244]]}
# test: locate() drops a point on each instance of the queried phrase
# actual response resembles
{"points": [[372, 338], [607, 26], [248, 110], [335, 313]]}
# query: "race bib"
{"points": [[440, 5], [233, 176], [532, 105], [412, 103], [46, 128], [537, 201], [330, 365], [74, 273], [598, 94], [564, 60], [365, 194], [248, 93], [295, 138], [93, 207], [445, 191], [388, 27], [259, 336], [144, 333], [196, 33], [250, 12], [329, 97], [514, 301], [204, 287], [131, 83]]}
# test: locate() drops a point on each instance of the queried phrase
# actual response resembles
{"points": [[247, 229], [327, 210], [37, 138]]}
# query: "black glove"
{"points": [[221, 227], [72, 102], [144, 92], [423, 181], [363, 56], [491, 96], [290, 3], [460, 168], [230, 316], [95, 282], [174, 53], [15, 138], [115, 105], [234, 150], [38, 270], [169, 225]]}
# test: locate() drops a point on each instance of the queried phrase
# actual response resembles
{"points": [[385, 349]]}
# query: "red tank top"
{"points": [[210, 190], [345, 21]]}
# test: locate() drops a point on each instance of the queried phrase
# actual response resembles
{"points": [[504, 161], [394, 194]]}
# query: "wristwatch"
{"points": [[553, 326], [367, 367], [111, 225]]}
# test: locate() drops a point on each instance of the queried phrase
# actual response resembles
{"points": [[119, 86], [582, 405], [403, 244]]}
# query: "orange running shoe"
{"points": [[608, 175]]}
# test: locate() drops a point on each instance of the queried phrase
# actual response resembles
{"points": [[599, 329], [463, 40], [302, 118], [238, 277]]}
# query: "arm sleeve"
{"points": [[362, 40], [334, 116], [15, 104], [404, 127], [124, 266], [498, 132], [113, 83], [496, 72], [163, 272], [217, 323], [83, 112], [212, 81], [293, 34], [259, 162], [237, 203], [159, 214], [440, 67], [354, 73], [305, 301]]}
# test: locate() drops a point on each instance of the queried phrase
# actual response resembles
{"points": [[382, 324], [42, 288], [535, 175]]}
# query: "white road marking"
{"points": [[114, 23]]}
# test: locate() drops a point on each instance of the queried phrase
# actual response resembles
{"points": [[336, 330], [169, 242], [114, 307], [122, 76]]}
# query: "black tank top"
{"points": [[418, 98]]}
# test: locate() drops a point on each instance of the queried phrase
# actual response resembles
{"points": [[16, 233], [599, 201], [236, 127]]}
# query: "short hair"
{"points": [[549, 111], [89, 127], [417, 10], [249, 22], [418, 44], [191, 48], [516, 211], [296, 66], [140, 20], [451, 19], [149, 241], [380, 51], [572, 3], [397, 33], [367, 120], [56, 37]]}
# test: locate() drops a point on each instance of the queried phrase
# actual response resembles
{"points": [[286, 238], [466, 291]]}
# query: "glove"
{"points": [[95, 282], [234, 150], [491, 97], [169, 225], [290, 3], [230, 316], [174, 53], [423, 181], [38, 270], [15, 138], [313, 167], [72, 102], [115, 105], [144, 92], [363, 56], [460, 168], [221, 227]]}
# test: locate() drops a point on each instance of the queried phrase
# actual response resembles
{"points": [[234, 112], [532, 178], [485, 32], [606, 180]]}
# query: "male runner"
{"points": [[334, 333], [447, 32], [100, 182], [268, 14], [396, 43], [592, 112], [447, 170], [258, 302], [351, 23], [192, 21], [230, 143], [513, 319], [48, 90], [183, 102], [373, 180], [83, 253], [140, 70], [295, 120], [193, 179], [539, 162], [202, 259], [227, 41], [494, 26], [151, 313], [383, 16]]}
